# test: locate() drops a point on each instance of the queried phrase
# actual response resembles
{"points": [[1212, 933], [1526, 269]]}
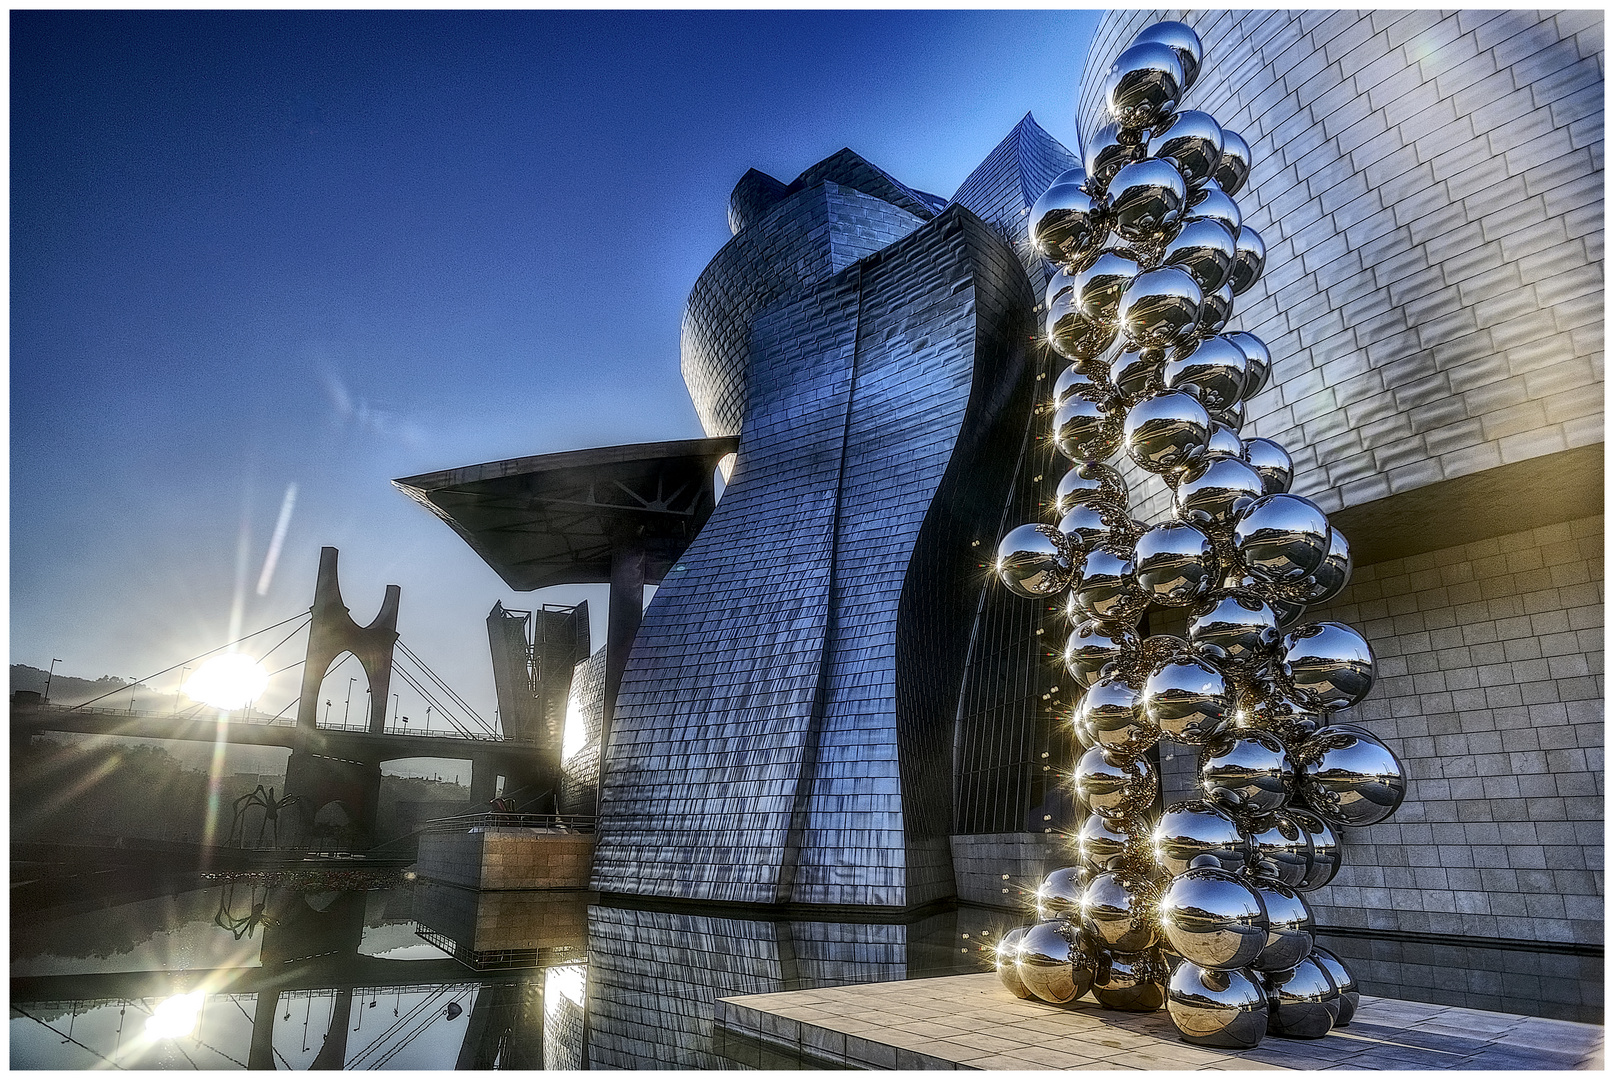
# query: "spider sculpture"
{"points": [[265, 801], [243, 925]]}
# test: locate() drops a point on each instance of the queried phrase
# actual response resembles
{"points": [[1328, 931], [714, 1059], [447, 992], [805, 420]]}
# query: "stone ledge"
{"points": [[972, 1022]]}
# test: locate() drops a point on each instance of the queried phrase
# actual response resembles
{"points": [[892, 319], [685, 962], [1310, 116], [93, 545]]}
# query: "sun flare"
{"points": [[231, 681]]}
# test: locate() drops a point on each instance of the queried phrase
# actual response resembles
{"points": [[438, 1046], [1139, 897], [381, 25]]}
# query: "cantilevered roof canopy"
{"points": [[555, 519]]}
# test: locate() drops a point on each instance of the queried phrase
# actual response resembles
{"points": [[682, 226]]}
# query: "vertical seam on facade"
{"points": [[801, 809]]}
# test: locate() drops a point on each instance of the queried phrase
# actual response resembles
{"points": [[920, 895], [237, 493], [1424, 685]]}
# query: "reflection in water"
{"points": [[333, 970]]}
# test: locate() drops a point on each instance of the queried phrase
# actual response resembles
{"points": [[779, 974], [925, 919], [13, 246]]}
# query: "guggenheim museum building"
{"points": [[832, 704]]}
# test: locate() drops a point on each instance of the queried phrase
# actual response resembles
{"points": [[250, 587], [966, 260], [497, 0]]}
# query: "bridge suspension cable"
{"points": [[186, 663], [446, 688], [434, 701]]}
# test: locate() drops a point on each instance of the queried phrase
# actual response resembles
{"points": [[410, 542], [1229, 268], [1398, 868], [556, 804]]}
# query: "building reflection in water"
{"points": [[331, 972]]}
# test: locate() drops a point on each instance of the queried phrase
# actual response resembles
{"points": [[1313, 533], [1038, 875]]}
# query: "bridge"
{"points": [[341, 763]]}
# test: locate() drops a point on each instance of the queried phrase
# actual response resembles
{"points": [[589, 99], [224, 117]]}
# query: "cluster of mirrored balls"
{"points": [[1198, 907]]}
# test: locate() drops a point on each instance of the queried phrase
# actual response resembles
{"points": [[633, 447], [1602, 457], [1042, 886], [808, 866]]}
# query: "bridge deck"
{"points": [[345, 743]]}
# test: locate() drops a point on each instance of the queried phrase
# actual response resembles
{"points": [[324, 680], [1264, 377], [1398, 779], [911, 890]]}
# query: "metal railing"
{"points": [[252, 719], [494, 819]]}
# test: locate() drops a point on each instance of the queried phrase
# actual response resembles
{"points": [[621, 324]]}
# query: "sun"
{"points": [[231, 681]]}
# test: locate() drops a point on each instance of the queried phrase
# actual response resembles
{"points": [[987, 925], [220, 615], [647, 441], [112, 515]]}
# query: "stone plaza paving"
{"points": [[972, 1022]]}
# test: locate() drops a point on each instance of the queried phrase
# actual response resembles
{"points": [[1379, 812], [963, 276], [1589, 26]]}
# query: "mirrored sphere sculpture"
{"points": [[1053, 962], [1226, 1009], [1302, 1003], [1213, 917], [1349, 778], [1143, 85], [1006, 957], [1199, 908], [1033, 560]]}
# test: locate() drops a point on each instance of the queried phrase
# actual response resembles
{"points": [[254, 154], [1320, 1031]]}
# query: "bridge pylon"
{"points": [[333, 632], [311, 773]]}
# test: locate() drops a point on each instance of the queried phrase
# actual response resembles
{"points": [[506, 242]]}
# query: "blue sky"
{"points": [[258, 249]]}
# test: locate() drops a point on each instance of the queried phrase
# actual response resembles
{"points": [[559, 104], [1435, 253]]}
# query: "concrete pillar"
{"points": [[261, 1052], [333, 1054], [484, 781]]}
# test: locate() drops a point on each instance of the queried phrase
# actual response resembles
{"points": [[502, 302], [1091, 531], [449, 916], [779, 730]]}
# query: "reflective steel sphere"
{"points": [[1282, 849], [1116, 786], [1189, 829], [1146, 198], [1192, 141], [1350, 995], [1247, 773], [1258, 362], [1329, 579], [1302, 1003], [1167, 432], [1272, 462], [1053, 962], [1214, 368], [1066, 222], [1181, 37], [1213, 917], [1213, 495], [1006, 958], [1072, 334], [1090, 481], [1135, 374], [1060, 895], [1213, 315], [1160, 307], [1033, 561], [1108, 150], [1238, 634], [1108, 590], [1224, 442], [1289, 927], [1280, 537], [1071, 381], [1324, 860], [1143, 85], [1249, 261], [1349, 778], [1093, 646], [1233, 167], [1205, 251], [1188, 701], [1209, 202], [1086, 525], [1118, 909], [1226, 1009], [1099, 840], [1328, 664], [1098, 288], [1087, 427], [1131, 982], [1110, 711], [1173, 564]]}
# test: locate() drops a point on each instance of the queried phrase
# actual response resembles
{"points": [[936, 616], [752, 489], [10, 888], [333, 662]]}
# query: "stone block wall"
{"points": [[507, 858]]}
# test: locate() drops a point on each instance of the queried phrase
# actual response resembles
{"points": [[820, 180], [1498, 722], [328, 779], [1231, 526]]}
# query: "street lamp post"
{"points": [[394, 708], [349, 702], [49, 675]]}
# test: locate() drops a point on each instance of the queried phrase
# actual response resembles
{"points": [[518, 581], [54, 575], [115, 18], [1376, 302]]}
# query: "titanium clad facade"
{"points": [[813, 232], [1013, 176], [1429, 187], [654, 978], [585, 707], [1011, 746], [784, 728]]}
